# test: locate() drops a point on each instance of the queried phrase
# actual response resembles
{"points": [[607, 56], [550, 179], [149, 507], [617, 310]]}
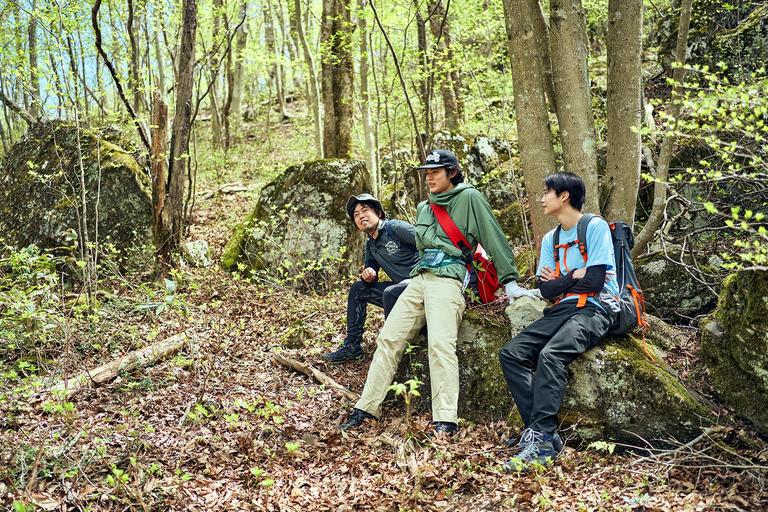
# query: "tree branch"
{"points": [[22, 112]]}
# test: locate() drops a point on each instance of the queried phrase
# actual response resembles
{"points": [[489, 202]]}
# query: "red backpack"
{"points": [[478, 264]]}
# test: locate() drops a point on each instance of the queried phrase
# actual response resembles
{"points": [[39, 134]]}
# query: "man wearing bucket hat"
{"points": [[435, 294], [390, 246]]}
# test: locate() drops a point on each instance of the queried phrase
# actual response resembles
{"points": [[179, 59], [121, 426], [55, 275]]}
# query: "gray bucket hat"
{"points": [[363, 198]]}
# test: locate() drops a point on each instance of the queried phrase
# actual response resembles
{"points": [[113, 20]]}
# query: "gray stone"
{"points": [[671, 292], [299, 232], [734, 346], [615, 392], [41, 197], [196, 253]]}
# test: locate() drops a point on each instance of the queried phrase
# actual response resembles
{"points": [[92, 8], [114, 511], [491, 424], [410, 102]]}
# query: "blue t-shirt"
{"points": [[599, 252]]}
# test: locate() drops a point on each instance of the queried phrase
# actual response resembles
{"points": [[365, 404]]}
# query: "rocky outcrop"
{"points": [[300, 233], [734, 346], [614, 393], [41, 190], [674, 292]]}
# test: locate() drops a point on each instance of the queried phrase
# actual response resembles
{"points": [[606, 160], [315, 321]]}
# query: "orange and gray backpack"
{"points": [[631, 301]]}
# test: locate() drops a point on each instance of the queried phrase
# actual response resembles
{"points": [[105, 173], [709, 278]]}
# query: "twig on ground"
{"points": [[315, 374]]}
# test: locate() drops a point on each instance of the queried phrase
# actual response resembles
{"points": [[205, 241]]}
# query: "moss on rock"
{"points": [[41, 198], [735, 346]]}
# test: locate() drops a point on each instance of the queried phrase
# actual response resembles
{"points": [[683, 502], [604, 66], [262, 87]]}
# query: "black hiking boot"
{"points": [[346, 352], [356, 419], [440, 428]]}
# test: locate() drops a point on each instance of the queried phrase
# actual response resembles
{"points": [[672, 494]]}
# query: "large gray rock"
{"points": [[41, 196], [734, 346], [300, 231], [614, 393], [673, 292]]}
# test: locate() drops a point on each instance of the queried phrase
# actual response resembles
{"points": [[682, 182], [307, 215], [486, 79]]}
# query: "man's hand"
{"points": [[514, 291], [547, 274], [368, 275], [579, 273]]}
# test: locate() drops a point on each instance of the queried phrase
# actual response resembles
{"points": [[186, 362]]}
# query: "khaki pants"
{"points": [[439, 302]]}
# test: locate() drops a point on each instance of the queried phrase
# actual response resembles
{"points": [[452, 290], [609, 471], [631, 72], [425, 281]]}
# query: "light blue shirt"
{"points": [[599, 252]]}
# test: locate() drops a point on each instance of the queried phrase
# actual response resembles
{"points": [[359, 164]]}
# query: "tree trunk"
{"points": [[159, 56], [275, 69], [371, 160], [133, 68], [545, 55], [444, 54], [537, 155], [34, 76], [158, 163], [217, 136], [569, 45], [241, 39], [314, 87], [172, 214], [338, 89], [422, 77], [662, 168], [624, 109]]}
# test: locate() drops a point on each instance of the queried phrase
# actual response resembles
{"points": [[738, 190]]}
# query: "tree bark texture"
{"points": [[624, 109], [34, 77], [371, 160], [570, 48], [542, 36], [158, 161], [241, 39], [172, 215], [337, 70], [537, 154], [441, 31], [314, 86]]}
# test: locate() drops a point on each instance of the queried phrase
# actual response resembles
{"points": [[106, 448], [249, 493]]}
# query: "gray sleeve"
{"points": [[404, 232]]}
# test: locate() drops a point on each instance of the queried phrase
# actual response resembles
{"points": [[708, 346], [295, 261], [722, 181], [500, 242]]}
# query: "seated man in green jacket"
{"points": [[435, 294]]}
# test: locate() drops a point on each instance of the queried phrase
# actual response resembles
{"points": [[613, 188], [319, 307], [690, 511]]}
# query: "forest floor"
{"points": [[221, 425]]}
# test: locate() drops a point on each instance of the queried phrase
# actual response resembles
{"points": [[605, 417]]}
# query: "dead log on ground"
{"points": [[129, 361], [316, 374]]}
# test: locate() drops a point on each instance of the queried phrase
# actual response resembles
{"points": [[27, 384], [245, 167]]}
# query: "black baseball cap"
{"points": [[363, 198], [440, 158]]}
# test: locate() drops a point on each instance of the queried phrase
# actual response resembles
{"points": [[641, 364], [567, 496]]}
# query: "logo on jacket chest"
{"points": [[392, 247]]}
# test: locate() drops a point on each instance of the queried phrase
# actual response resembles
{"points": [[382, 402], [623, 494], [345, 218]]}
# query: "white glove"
{"points": [[514, 291]]}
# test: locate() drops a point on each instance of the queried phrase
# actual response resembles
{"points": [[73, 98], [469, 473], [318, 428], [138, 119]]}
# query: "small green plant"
{"points": [[407, 390], [602, 446]]}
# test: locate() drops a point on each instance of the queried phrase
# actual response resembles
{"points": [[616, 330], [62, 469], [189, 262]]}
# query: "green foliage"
{"points": [[407, 390]]}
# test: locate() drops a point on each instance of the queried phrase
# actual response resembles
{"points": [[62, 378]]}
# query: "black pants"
{"points": [[360, 295], [534, 361]]}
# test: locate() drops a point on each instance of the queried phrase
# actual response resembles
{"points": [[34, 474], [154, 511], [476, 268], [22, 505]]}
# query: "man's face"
{"points": [[366, 218], [438, 180], [552, 202]]}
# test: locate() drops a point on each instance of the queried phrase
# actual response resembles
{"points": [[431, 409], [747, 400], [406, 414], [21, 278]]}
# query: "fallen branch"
{"points": [[227, 188], [109, 371], [316, 374]]}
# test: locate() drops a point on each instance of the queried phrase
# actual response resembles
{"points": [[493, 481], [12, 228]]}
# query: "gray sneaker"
{"points": [[557, 441]]}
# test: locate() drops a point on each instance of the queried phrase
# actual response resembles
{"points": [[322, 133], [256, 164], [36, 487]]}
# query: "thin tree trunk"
{"points": [[662, 168], [133, 68], [34, 82], [370, 142], [422, 77], [338, 69], [542, 36], [172, 214], [314, 87], [624, 109], [241, 39], [158, 161], [444, 54], [161, 86], [537, 155], [216, 112], [570, 48]]}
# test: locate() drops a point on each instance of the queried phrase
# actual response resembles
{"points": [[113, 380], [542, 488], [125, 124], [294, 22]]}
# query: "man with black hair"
{"points": [[391, 245], [435, 295], [534, 362]]}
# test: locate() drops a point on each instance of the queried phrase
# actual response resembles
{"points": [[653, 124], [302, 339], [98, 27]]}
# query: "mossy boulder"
{"points": [[615, 392], [299, 230], [671, 292], [734, 346], [41, 193]]}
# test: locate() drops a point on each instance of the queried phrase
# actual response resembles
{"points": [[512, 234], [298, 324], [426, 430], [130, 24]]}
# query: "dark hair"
{"points": [[373, 206], [458, 178], [567, 182]]}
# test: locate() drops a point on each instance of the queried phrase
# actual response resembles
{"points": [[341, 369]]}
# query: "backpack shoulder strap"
{"points": [[391, 234], [451, 230], [581, 233]]}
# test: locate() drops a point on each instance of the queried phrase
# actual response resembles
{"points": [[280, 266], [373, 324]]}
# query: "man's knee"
{"points": [[512, 351]]}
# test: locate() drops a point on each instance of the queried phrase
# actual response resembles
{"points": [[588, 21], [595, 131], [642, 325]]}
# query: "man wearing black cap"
{"points": [[391, 245], [434, 296]]}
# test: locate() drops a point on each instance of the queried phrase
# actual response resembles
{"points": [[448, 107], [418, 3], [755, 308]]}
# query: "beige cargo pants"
{"points": [[439, 302]]}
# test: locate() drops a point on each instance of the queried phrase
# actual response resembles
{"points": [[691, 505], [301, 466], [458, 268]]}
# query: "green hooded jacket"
{"points": [[473, 216]]}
